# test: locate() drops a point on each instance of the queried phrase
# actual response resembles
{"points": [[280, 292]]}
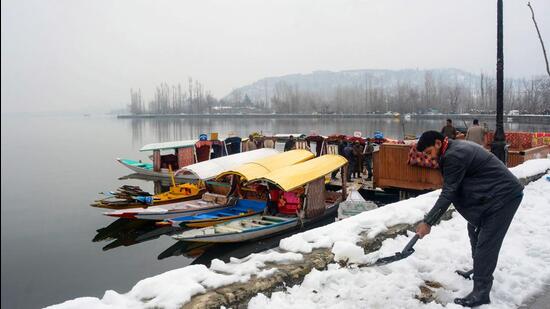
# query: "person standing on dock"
{"points": [[358, 155], [369, 149], [341, 147], [448, 130], [290, 144], [348, 154], [476, 133], [485, 192], [251, 144]]}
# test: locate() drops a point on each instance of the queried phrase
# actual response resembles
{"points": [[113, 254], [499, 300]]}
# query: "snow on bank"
{"points": [[531, 168], [173, 288], [522, 270]]}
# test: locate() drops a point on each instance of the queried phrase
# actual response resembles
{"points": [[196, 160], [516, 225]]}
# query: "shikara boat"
{"points": [[131, 197], [218, 189], [314, 204], [184, 154], [161, 212], [243, 208]]}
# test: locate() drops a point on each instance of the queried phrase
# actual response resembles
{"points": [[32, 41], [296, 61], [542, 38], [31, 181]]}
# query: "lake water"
{"points": [[54, 166]]}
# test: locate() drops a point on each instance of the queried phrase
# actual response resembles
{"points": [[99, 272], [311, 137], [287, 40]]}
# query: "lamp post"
{"points": [[499, 147]]}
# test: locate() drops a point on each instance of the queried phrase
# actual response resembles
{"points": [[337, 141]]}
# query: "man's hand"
{"points": [[423, 229]]}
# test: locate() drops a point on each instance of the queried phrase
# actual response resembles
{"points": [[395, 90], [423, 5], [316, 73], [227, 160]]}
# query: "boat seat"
{"points": [[226, 229], [276, 219], [253, 224], [205, 216], [263, 222], [225, 214]]}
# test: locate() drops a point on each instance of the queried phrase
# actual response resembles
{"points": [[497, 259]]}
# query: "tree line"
{"points": [[371, 95], [173, 100], [528, 96]]}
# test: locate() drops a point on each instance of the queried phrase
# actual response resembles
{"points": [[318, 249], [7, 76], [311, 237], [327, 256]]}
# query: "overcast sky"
{"points": [[81, 55]]}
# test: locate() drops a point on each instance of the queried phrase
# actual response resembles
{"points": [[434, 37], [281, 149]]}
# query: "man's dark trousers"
{"points": [[486, 240]]}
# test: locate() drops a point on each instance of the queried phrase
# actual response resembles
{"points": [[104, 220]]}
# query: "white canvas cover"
{"points": [[209, 169], [169, 145]]}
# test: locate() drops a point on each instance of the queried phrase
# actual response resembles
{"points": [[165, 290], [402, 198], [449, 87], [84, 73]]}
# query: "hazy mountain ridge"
{"points": [[326, 82]]}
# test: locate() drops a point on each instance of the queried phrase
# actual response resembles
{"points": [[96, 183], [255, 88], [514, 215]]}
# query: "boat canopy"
{"points": [[292, 177], [209, 169], [258, 168], [169, 145]]}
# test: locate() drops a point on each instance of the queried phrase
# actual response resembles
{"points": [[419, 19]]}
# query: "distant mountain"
{"points": [[326, 82]]}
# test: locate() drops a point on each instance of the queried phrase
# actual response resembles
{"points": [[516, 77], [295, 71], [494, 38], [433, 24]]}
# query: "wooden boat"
{"points": [[198, 172], [126, 198], [185, 154], [243, 208], [161, 212], [246, 172], [317, 203]]}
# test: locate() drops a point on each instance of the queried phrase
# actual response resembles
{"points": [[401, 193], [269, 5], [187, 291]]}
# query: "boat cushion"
{"points": [[289, 203]]}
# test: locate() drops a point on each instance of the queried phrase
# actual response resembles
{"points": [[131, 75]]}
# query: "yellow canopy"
{"points": [[253, 170], [291, 177]]}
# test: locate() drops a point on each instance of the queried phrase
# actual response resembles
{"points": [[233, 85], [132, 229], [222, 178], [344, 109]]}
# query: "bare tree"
{"points": [[540, 38]]}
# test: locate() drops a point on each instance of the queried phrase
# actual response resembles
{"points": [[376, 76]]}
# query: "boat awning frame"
{"points": [[291, 177], [253, 170]]}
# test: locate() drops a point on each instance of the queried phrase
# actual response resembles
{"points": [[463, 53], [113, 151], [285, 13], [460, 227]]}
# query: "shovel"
{"points": [[408, 250]]}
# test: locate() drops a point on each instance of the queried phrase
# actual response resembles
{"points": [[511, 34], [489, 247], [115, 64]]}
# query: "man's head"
{"points": [[250, 137], [476, 122], [430, 143], [291, 137], [449, 122]]}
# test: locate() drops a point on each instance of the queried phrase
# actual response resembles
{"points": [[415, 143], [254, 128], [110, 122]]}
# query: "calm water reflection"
{"points": [[178, 129], [55, 247]]}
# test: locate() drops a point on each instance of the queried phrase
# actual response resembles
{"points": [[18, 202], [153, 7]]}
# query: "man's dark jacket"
{"points": [[449, 131], [475, 181], [290, 144]]}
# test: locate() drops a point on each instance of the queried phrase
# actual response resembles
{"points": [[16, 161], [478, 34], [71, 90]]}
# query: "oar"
{"points": [[172, 175]]}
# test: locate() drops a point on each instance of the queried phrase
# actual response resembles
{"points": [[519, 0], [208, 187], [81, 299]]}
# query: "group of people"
{"points": [[253, 143], [475, 133], [359, 158]]}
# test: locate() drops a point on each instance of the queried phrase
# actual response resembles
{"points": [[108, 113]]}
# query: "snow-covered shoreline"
{"points": [[174, 288]]}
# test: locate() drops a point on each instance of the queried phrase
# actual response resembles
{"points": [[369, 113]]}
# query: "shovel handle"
{"points": [[411, 243]]}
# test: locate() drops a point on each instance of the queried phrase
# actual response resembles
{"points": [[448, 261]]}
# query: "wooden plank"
{"points": [[392, 170], [227, 229]]}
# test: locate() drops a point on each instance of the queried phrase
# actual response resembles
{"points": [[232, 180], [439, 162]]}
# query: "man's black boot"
{"points": [[466, 274], [479, 296]]}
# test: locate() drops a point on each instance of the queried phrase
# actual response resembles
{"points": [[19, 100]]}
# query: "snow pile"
{"points": [[252, 263], [173, 288], [372, 222], [522, 270], [531, 168]]}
